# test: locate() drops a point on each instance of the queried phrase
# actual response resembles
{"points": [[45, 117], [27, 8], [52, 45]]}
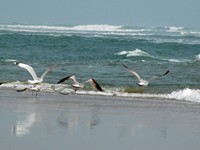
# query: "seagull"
{"points": [[36, 79], [76, 85], [94, 84], [143, 82]]}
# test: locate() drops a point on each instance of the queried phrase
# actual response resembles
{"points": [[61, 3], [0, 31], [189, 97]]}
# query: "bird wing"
{"points": [[133, 72], [96, 85], [159, 75], [62, 80], [29, 69], [43, 75]]}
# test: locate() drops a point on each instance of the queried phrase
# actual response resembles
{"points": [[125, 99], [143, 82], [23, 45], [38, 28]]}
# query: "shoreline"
{"points": [[183, 94], [98, 97]]}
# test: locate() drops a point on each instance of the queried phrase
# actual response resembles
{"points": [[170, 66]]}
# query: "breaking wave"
{"points": [[140, 53], [136, 52], [174, 29], [186, 94]]}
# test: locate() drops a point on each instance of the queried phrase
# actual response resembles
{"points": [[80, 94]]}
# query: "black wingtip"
{"points": [[124, 66], [59, 82], [62, 80], [166, 72], [98, 87]]}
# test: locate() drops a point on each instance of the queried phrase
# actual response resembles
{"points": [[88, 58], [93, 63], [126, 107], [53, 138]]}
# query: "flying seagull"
{"points": [[143, 82], [76, 85], [36, 79]]}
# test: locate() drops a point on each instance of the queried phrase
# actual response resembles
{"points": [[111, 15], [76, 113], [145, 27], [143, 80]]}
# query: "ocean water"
{"points": [[97, 51]]}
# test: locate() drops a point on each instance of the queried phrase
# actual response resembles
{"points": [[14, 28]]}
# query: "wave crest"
{"points": [[174, 29], [136, 52], [96, 28]]}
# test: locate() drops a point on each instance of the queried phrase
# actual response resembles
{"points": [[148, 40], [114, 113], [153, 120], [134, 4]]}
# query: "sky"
{"points": [[183, 13]]}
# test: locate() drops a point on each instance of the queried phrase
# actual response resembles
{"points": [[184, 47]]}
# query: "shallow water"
{"points": [[53, 121]]}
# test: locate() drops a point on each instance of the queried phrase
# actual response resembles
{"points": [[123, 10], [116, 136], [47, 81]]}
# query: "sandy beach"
{"points": [[83, 122]]}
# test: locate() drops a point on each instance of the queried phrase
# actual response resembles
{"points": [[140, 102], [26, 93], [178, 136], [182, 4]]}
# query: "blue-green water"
{"points": [[98, 50]]}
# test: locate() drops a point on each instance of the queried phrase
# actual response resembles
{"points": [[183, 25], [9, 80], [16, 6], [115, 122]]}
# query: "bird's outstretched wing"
{"points": [[155, 77], [28, 68], [48, 69], [133, 72]]}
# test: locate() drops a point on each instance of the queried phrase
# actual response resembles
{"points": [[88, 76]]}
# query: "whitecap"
{"points": [[96, 28], [82, 29], [136, 52], [175, 29], [45, 28]]}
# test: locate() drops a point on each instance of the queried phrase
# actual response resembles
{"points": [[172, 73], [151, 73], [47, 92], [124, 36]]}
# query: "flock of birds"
{"points": [[75, 84]]}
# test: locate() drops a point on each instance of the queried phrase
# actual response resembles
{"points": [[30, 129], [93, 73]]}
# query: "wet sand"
{"points": [[52, 121]]}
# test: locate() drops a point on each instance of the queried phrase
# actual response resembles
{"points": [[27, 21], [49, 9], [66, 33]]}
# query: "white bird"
{"points": [[76, 85], [36, 79], [143, 82]]}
